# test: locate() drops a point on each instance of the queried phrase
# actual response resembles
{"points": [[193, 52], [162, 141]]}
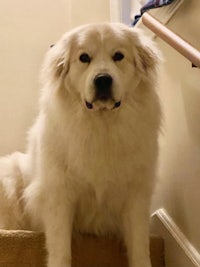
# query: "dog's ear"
{"points": [[60, 62], [147, 59], [56, 64], [146, 55]]}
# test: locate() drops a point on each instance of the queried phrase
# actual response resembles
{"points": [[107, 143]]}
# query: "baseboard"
{"points": [[179, 252]]}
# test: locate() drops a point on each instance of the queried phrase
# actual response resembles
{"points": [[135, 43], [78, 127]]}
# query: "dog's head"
{"points": [[101, 64]]}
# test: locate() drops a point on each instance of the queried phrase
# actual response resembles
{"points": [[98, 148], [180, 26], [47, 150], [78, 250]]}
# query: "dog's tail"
{"points": [[12, 184]]}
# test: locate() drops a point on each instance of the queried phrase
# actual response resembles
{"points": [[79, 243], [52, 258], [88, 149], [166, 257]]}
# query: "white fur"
{"points": [[92, 170]]}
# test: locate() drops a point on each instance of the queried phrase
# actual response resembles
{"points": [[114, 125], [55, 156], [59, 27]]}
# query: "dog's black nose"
{"points": [[103, 85]]}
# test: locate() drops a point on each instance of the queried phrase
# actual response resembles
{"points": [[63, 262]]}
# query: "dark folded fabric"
{"points": [[150, 5]]}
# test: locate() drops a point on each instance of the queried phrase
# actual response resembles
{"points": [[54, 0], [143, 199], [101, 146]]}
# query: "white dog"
{"points": [[92, 152]]}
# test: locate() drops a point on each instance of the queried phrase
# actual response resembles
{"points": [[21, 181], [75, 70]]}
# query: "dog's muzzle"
{"points": [[103, 90], [90, 105], [103, 87]]}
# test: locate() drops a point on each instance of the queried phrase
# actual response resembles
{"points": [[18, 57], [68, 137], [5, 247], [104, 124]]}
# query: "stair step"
{"points": [[27, 249]]}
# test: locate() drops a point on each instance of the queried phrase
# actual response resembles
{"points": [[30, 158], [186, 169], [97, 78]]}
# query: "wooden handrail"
{"points": [[172, 39]]}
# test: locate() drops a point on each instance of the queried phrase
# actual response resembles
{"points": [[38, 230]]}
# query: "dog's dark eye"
{"points": [[118, 56], [85, 58]]}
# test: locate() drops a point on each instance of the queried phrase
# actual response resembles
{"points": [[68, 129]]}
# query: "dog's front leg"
{"points": [[136, 230], [58, 223], [58, 230]]}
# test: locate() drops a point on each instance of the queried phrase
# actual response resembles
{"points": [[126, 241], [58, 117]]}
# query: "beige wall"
{"points": [[27, 28], [179, 186], [87, 11]]}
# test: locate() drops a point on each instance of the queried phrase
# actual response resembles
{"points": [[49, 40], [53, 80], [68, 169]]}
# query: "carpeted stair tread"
{"points": [[27, 249]]}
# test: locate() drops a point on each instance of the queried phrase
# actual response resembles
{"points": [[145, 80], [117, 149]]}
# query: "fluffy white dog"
{"points": [[92, 152]]}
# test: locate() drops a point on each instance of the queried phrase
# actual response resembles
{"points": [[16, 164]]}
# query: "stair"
{"points": [[27, 249]]}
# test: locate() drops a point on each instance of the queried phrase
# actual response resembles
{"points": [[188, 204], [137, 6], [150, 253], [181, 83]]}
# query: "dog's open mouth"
{"points": [[102, 105]]}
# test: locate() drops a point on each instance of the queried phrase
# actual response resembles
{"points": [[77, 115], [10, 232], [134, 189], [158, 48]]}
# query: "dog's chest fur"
{"points": [[103, 147], [105, 157]]}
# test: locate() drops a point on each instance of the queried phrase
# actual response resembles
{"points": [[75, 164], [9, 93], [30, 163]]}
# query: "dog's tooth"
{"points": [[117, 104], [88, 105]]}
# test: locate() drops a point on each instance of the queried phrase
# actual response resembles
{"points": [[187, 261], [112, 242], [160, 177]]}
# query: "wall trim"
{"points": [[115, 10], [179, 251], [165, 13], [120, 11]]}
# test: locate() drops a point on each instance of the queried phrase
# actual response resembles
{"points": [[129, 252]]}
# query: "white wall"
{"points": [[27, 28], [179, 186]]}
